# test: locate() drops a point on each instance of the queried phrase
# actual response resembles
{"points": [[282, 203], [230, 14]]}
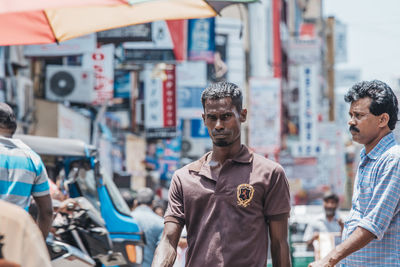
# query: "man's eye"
{"points": [[226, 116]]}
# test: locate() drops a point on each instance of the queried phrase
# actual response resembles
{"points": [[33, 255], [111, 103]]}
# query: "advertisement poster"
{"points": [[265, 115], [201, 38], [308, 95], [102, 63], [160, 101]]}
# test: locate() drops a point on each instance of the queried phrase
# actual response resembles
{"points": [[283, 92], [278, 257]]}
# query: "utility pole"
{"points": [[330, 65]]}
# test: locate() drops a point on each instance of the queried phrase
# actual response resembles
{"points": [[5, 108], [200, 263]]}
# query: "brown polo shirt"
{"points": [[226, 216]]}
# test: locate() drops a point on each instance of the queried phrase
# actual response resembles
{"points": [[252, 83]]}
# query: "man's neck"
{"points": [[370, 146], [221, 154], [5, 133]]}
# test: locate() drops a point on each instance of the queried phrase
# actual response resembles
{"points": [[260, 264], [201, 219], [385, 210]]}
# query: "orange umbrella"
{"points": [[25, 23]]}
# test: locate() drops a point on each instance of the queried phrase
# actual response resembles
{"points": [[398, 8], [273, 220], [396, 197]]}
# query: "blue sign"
{"points": [[201, 39], [122, 84], [198, 129], [190, 97]]}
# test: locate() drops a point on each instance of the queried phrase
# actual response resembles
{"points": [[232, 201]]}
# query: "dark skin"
{"points": [[44, 204], [223, 122], [366, 129], [45, 213]]}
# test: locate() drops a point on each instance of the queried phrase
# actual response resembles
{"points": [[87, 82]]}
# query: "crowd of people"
{"points": [[231, 206]]}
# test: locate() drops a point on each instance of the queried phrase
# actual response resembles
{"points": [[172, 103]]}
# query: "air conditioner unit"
{"points": [[69, 83]]}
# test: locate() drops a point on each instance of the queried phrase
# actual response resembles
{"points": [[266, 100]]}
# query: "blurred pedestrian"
{"points": [[159, 207], [21, 241], [230, 200], [371, 236], [150, 223], [22, 172], [329, 222]]}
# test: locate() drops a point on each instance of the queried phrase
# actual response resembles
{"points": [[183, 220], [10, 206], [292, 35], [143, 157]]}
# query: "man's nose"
{"points": [[219, 125], [351, 121]]}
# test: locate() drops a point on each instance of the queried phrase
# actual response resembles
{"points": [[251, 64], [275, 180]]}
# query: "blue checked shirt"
{"points": [[375, 206]]}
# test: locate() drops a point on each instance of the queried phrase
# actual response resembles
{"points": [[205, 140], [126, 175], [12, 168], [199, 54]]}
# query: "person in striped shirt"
{"points": [[371, 234], [22, 172]]}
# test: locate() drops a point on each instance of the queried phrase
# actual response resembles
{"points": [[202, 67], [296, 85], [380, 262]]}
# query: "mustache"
{"points": [[354, 128], [219, 133]]}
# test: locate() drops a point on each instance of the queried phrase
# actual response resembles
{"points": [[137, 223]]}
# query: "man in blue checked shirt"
{"points": [[22, 173], [371, 235]]}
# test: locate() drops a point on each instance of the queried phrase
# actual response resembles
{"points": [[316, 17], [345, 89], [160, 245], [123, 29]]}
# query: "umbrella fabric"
{"points": [[60, 24], [220, 4], [34, 5], [48, 21]]}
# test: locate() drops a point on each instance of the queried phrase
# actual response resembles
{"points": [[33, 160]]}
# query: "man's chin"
{"points": [[221, 143]]}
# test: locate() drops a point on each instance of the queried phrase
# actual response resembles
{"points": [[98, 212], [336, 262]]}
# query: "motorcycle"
{"points": [[80, 238]]}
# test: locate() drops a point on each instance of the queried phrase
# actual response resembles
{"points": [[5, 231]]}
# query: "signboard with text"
{"points": [[160, 101], [102, 63], [265, 115]]}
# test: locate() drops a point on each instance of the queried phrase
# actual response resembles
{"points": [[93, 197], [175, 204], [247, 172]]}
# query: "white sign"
{"points": [[347, 77], [304, 51], [153, 98], [340, 42], [308, 89], [265, 115], [161, 38], [101, 62], [76, 46], [72, 124], [191, 73]]}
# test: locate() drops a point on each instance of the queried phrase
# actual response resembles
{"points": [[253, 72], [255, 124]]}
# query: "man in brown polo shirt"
{"points": [[230, 200]]}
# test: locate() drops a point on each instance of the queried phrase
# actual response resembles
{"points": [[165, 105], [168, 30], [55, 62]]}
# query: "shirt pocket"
{"points": [[365, 194]]}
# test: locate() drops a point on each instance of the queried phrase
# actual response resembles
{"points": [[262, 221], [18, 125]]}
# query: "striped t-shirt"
{"points": [[376, 206], [22, 173]]}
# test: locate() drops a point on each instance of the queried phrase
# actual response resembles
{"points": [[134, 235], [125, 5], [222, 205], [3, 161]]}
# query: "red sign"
{"points": [[169, 97]]}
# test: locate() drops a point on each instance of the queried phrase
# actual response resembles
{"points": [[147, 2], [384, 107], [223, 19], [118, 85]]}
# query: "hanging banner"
{"points": [[160, 101], [102, 63], [308, 92], [201, 39], [265, 115]]}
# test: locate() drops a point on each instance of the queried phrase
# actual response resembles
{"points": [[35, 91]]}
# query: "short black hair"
{"points": [[221, 90], [382, 96], [330, 195], [8, 120]]}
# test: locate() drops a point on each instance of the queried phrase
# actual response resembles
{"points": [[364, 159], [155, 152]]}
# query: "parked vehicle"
{"points": [[81, 238], [77, 166]]}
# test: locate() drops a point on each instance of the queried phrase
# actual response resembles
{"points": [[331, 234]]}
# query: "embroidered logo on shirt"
{"points": [[244, 194]]}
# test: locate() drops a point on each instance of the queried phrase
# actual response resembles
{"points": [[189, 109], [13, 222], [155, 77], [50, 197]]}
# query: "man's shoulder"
{"points": [[265, 163]]}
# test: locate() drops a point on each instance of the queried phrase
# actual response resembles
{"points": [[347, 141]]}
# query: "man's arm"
{"points": [[278, 232], [357, 240], [6, 263], [45, 213], [165, 253]]}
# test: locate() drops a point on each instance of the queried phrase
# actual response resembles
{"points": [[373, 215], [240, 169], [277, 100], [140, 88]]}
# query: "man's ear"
{"points": [[384, 120], [243, 115], [204, 117]]}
